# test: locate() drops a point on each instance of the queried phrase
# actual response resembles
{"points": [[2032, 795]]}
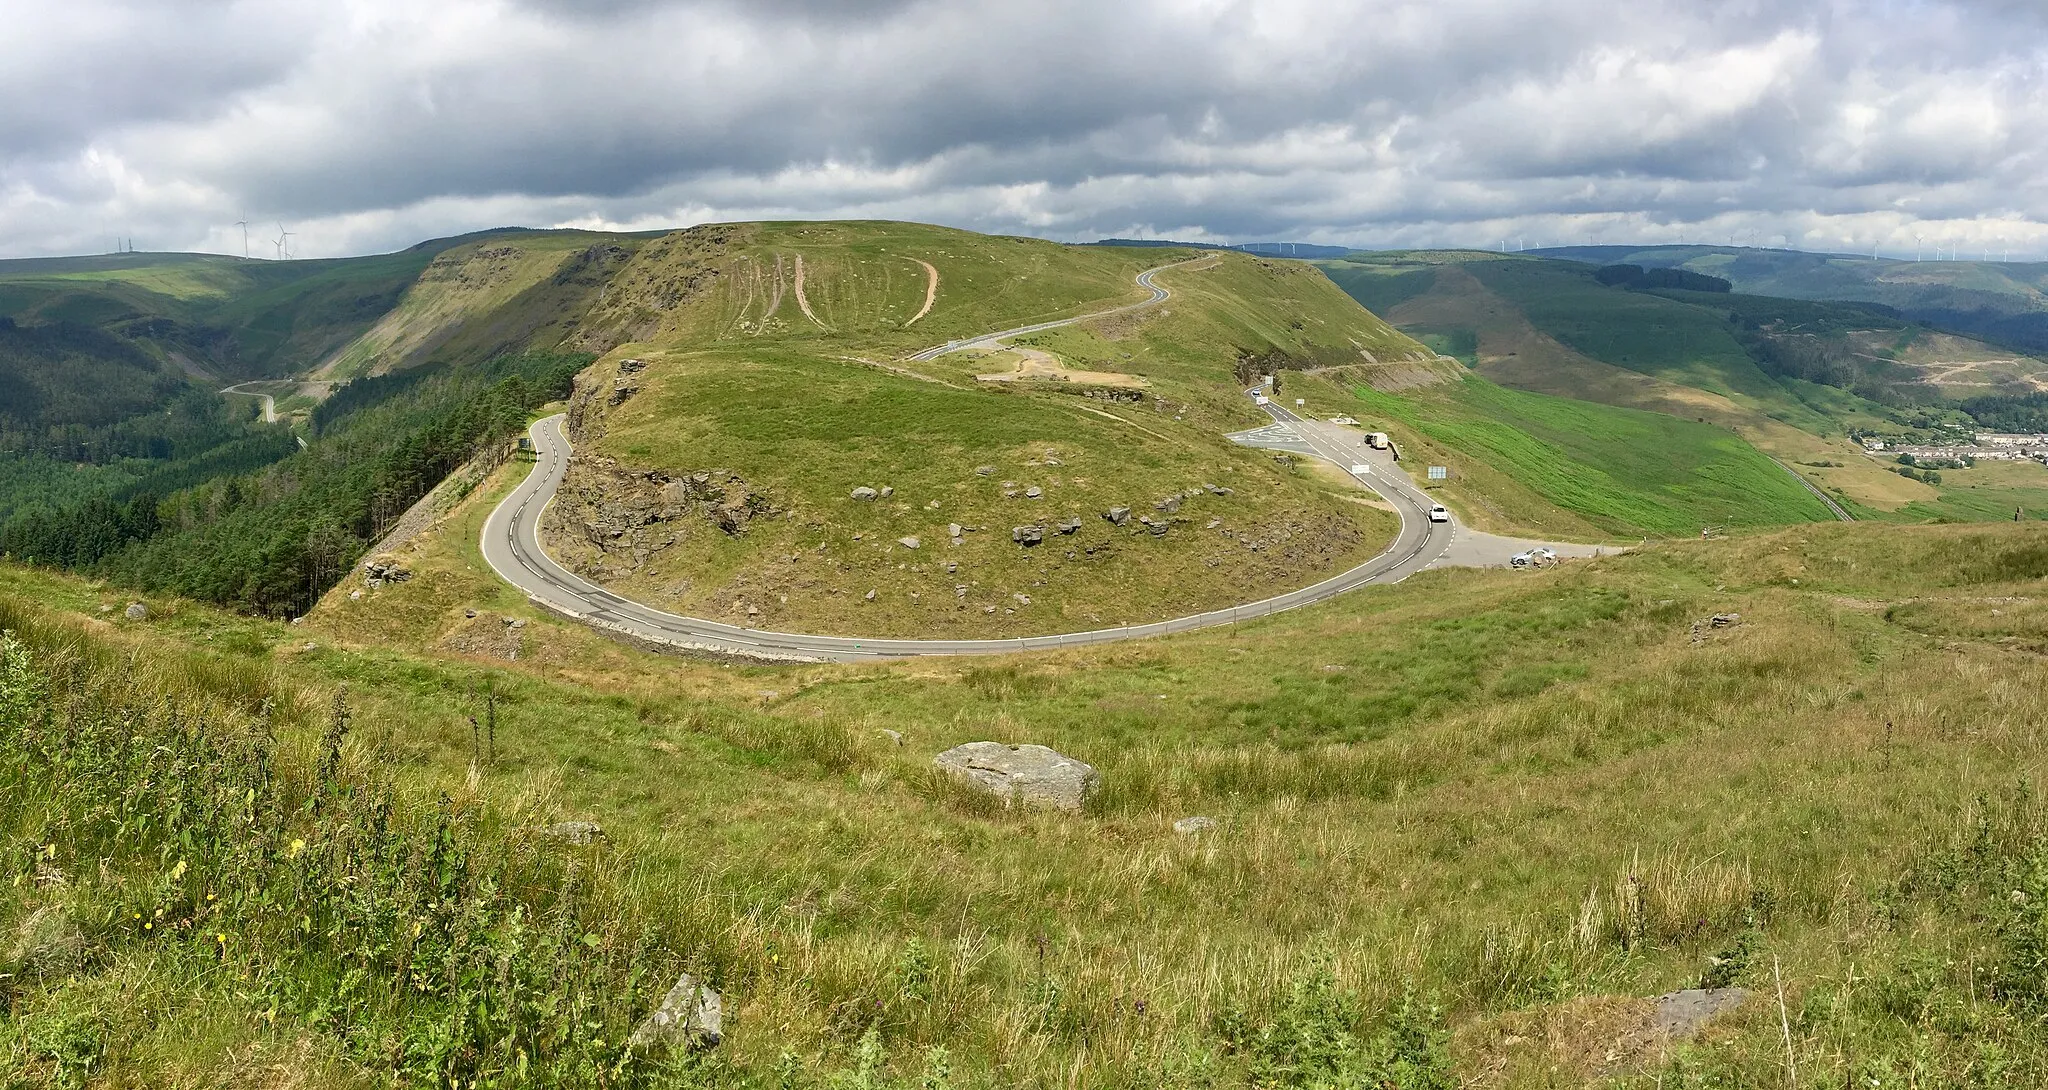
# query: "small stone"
{"points": [[1213, 523], [1027, 535], [1118, 515], [1170, 505], [1190, 825], [136, 611], [575, 832], [960, 590], [469, 613], [1726, 620], [1069, 525], [952, 565], [870, 596], [1217, 490], [909, 542], [519, 624], [895, 736], [1033, 492], [952, 529], [888, 491], [355, 596], [984, 471], [1022, 599], [864, 493], [1009, 493], [691, 1016]]}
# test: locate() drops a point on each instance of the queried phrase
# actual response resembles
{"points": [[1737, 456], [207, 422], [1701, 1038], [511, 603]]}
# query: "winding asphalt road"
{"points": [[511, 545]]}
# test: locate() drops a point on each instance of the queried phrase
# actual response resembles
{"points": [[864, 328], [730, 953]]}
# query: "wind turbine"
{"points": [[244, 225], [1917, 241], [284, 239]]}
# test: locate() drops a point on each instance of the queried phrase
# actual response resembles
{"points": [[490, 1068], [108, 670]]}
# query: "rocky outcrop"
{"points": [[608, 517], [1024, 775], [1027, 535], [691, 1016]]}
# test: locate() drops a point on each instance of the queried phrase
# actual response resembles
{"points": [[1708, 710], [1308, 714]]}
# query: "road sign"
{"points": [[1300, 401], [1439, 473]]}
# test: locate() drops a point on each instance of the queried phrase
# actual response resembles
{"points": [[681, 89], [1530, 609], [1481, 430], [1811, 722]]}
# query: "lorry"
{"points": [[1377, 440]]}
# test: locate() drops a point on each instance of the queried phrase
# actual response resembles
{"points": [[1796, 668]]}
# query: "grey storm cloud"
{"points": [[369, 124]]}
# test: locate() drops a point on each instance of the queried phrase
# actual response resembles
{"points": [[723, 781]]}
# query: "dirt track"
{"points": [[931, 291]]}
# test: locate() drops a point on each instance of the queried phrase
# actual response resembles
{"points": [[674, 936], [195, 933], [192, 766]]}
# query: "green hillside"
{"points": [[1464, 826], [789, 401], [1793, 377], [2002, 302]]}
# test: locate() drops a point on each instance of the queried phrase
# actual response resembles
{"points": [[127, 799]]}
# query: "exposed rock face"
{"points": [[385, 569], [691, 1016], [1027, 535], [1025, 775], [610, 518]]}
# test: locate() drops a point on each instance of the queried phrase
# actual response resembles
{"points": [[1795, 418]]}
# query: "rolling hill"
{"points": [[1795, 378]]}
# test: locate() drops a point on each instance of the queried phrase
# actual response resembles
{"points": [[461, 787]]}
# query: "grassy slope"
{"points": [[497, 293], [1465, 782], [1543, 334], [806, 411]]}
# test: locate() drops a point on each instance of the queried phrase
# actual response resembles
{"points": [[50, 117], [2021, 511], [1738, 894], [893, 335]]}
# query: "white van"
{"points": [[1439, 513]]}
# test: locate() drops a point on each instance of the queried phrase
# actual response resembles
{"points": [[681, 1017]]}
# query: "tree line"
{"points": [[273, 540]]}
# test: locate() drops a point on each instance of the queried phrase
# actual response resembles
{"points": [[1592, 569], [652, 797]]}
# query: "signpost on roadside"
{"points": [[1439, 473]]}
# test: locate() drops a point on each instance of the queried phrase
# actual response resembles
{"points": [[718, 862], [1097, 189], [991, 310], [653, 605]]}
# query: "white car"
{"points": [[1439, 513]]}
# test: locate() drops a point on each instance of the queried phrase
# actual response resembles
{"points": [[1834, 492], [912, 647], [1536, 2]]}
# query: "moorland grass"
{"points": [[1511, 793]]}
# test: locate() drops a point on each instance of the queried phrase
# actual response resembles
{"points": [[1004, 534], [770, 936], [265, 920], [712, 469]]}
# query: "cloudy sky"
{"points": [[367, 125]]}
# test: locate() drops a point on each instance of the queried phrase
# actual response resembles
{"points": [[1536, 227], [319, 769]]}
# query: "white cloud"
{"points": [[369, 124]]}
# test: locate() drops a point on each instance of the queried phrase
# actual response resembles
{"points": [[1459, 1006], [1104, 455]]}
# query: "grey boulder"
{"points": [[1118, 515], [136, 611], [1027, 535], [1024, 775], [691, 1016], [574, 832], [864, 493]]}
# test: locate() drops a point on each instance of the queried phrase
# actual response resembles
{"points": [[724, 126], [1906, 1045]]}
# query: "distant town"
{"points": [[1981, 446]]}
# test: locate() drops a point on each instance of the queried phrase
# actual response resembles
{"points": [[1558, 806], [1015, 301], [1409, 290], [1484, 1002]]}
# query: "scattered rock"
{"points": [[105, 608], [1009, 493], [1682, 1014], [864, 493], [1033, 492], [1069, 525], [691, 1016], [895, 736], [1213, 523], [575, 832], [1118, 515], [632, 367], [1170, 505], [910, 542], [47, 943], [1027, 775], [888, 491], [1726, 620], [952, 566], [1190, 825], [386, 569], [953, 529], [1217, 490], [136, 611], [1027, 535], [1022, 598], [960, 590], [353, 596], [470, 613], [984, 471], [870, 596]]}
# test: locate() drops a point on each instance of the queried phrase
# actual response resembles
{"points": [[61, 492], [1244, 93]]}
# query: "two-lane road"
{"points": [[511, 545]]}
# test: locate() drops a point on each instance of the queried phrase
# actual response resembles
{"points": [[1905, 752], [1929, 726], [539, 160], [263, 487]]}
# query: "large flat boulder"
{"points": [[1027, 775]]}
